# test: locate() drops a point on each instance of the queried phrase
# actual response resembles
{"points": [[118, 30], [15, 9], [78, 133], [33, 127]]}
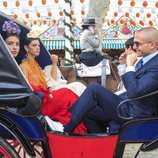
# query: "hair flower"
{"points": [[11, 27]]}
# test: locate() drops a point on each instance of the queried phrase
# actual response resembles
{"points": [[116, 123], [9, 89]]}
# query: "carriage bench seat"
{"points": [[30, 126]]}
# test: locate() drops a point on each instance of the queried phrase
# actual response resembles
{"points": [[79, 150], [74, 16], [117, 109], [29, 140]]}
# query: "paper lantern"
{"points": [[44, 22], [30, 2], [82, 12], [115, 14], [38, 14], [43, 2], [56, 1], [145, 4], [148, 15], [132, 22], [54, 21], [61, 13], [35, 22], [82, 1], [5, 4], [121, 21], [132, 4], [72, 12], [74, 19], [141, 22], [137, 15], [24, 22], [156, 4], [127, 14], [49, 14], [17, 3], [15, 16], [120, 2], [150, 23], [27, 15], [112, 21]]}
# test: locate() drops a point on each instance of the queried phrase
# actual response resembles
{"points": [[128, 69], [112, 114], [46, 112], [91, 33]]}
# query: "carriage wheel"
{"points": [[37, 147], [6, 150]]}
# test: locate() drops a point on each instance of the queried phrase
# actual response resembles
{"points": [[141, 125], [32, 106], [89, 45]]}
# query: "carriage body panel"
{"points": [[15, 93]]}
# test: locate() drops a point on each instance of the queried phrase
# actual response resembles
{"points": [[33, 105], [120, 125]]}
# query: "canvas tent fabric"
{"points": [[106, 44]]}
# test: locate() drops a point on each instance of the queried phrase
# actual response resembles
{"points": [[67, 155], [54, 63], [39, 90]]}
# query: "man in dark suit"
{"points": [[98, 104]]}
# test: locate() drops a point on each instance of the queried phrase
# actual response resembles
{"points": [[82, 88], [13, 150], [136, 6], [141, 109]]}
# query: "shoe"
{"points": [[53, 125]]}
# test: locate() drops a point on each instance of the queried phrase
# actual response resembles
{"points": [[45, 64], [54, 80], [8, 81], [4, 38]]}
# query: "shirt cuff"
{"points": [[130, 68]]}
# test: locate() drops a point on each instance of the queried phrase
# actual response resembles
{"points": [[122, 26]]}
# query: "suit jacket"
{"points": [[141, 82]]}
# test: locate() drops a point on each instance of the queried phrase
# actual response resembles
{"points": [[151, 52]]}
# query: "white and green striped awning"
{"points": [[107, 44]]}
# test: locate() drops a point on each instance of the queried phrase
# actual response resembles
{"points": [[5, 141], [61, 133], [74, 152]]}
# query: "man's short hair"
{"points": [[129, 42]]}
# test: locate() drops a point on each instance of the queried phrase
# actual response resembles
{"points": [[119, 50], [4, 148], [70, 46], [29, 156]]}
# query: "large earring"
{"points": [[27, 53]]}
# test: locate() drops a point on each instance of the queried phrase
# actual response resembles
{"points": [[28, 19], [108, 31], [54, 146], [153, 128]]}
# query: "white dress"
{"points": [[121, 70], [76, 87]]}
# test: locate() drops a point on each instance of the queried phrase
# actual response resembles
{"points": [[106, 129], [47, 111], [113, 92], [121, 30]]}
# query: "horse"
{"points": [[112, 80]]}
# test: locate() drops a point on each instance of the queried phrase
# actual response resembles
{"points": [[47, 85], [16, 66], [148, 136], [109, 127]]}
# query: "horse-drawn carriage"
{"points": [[22, 133]]}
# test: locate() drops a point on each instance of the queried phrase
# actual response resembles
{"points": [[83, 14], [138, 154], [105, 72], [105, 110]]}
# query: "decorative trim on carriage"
{"points": [[107, 44], [92, 71]]}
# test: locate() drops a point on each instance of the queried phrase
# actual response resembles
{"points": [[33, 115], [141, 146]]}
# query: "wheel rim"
{"points": [[20, 150], [4, 153]]}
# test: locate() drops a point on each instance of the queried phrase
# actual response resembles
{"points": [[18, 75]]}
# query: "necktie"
{"points": [[139, 64]]}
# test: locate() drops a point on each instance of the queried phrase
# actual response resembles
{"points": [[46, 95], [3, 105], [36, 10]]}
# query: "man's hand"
{"points": [[131, 57], [96, 32]]}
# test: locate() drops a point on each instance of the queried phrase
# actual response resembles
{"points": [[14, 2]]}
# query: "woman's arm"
{"points": [[54, 71]]}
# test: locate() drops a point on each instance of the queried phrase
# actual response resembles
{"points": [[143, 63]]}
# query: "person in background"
{"points": [[89, 43], [56, 103], [122, 64], [122, 59]]}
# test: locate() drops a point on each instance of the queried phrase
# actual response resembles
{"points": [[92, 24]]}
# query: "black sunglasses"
{"points": [[139, 43]]}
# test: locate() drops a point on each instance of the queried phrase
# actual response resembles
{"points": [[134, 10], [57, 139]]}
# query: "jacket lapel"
{"points": [[150, 63]]}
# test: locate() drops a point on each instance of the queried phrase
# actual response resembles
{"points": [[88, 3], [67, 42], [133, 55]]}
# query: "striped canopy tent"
{"points": [[106, 44]]}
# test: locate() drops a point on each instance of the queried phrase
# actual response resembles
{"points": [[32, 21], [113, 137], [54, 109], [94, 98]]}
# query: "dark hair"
{"points": [[28, 40], [129, 42], [6, 35], [84, 27]]}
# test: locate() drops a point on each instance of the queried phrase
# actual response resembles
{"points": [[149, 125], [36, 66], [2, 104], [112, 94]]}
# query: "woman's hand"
{"points": [[122, 58], [54, 59]]}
